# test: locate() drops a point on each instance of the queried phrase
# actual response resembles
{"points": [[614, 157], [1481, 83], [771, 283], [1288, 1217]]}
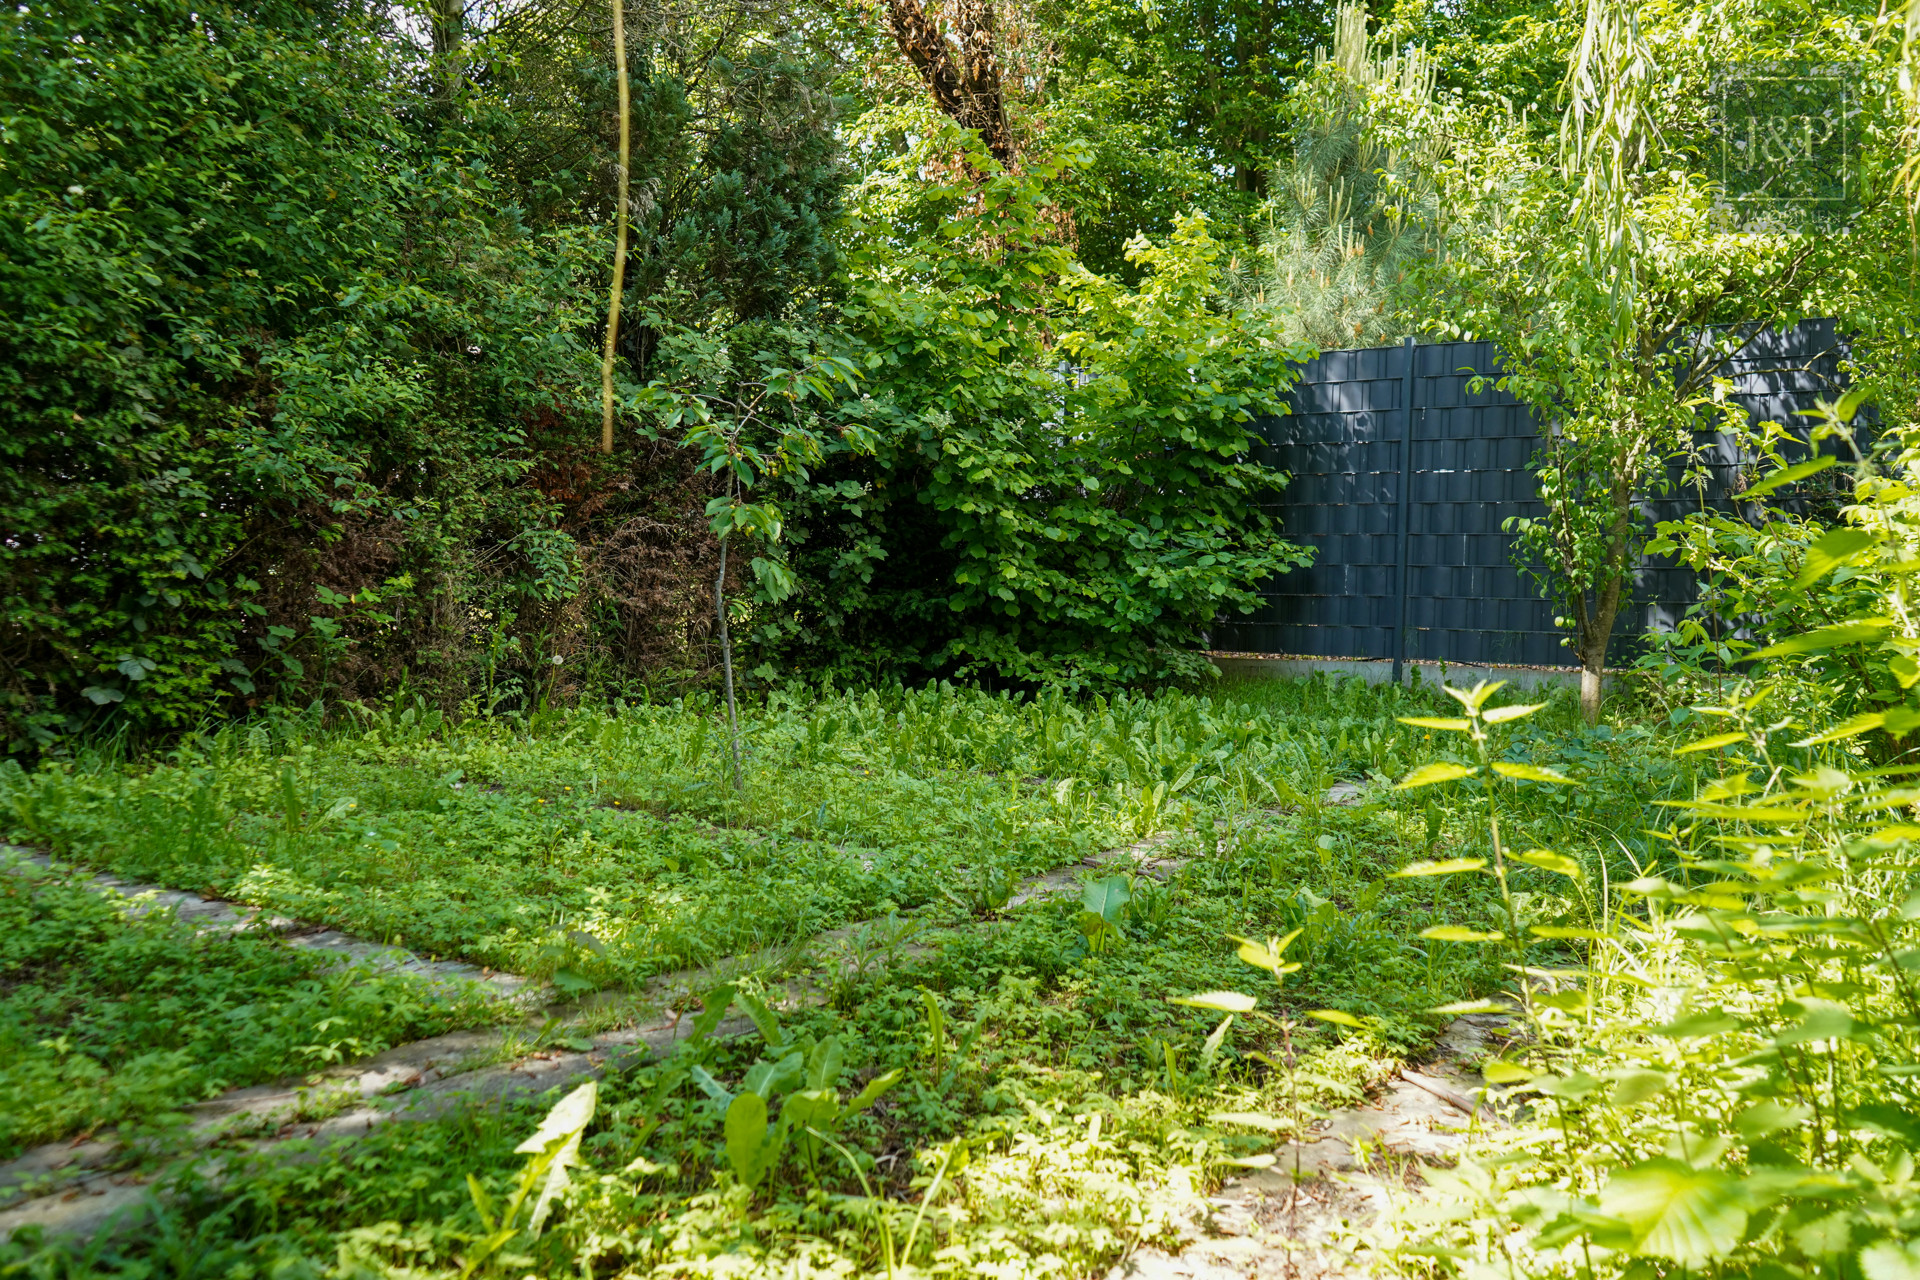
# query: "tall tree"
{"points": [[1351, 212], [1604, 265]]}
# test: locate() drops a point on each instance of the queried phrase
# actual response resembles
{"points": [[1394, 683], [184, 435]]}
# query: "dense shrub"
{"points": [[253, 412]]}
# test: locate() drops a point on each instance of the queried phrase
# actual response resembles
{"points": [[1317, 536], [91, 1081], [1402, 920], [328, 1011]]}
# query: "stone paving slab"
{"points": [[434, 1077], [76, 1190], [1296, 1219]]}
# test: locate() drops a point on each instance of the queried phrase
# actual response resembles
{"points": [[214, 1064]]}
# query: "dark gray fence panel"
{"points": [[1344, 432], [1777, 378], [1466, 602], [1458, 595]]}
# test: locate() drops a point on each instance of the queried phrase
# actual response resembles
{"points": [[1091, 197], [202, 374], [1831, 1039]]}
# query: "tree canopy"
{"points": [[304, 302]]}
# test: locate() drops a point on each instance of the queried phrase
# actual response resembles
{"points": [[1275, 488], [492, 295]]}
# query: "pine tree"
{"points": [[1352, 209]]}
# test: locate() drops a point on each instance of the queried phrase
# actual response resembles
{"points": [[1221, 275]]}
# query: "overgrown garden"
{"points": [[715, 514]]}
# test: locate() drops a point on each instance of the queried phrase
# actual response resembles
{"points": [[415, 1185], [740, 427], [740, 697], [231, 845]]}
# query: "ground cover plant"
{"points": [[106, 1017], [1721, 1082], [1031, 1061], [608, 845]]}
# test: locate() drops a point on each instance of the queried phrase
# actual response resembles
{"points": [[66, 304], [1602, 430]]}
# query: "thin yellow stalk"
{"points": [[620, 230]]}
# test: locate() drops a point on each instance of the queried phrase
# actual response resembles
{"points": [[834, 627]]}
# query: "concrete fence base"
{"points": [[1271, 666]]}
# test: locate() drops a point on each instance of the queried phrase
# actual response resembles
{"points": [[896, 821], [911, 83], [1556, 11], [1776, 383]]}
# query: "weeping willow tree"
{"points": [[1354, 207]]}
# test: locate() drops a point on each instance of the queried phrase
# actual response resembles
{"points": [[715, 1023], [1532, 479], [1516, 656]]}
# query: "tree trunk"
{"points": [[447, 22], [1595, 629], [726, 661], [1590, 691], [961, 67], [620, 241]]}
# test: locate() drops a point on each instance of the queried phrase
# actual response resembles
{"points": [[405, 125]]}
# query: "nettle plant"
{"points": [[1480, 724], [1728, 1085], [1271, 957]]}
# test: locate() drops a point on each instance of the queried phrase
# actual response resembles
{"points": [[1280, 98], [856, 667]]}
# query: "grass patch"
{"points": [[605, 844], [1043, 1068], [107, 1019]]}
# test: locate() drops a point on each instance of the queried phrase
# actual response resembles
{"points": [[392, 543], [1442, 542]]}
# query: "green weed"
{"points": [[1028, 1098], [107, 1019]]}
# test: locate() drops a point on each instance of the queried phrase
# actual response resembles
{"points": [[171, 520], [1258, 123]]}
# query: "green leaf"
{"points": [[1497, 1072], [709, 1086], [1890, 1260], [1686, 1215], [1708, 744], [1848, 728], [1632, 1088], [1825, 1237], [810, 1108], [1532, 773], [1107, 898], [1834, 548], [1734, 813], [1219, 1001], [1428, 774], [713, 1007], [1562, 931], [1569, 1088], [1768, 1117], [1269, 955], [1500, 715], [826, 1060], [567, 1118], [1547, 860], [555, 1146], [875, 1087], [768, 1078], [1864, 631], [1696, 1025], [1210, 1048], [746, 1133], [763, 1018], [1435, 722], [1475, 698], [1095, 926], [1455, 933], [1446, 867], [1338, 1018], [1850, 403], [1787, 475], [1819, 1020], [482, 1202]]}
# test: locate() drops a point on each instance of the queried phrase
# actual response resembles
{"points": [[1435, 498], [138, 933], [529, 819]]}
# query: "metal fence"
{"points": [[1402, 478]]}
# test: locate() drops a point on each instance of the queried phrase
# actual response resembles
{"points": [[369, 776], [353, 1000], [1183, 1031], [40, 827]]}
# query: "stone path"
{"points": [[1271, 1226], [216, 915]]}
